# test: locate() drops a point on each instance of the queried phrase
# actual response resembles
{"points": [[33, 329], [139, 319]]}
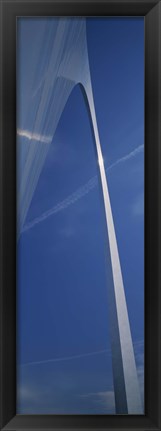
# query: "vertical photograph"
{"points": [[80, 215]]}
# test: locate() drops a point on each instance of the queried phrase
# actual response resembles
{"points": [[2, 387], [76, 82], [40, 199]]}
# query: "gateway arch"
{"points": [[66, 56]]}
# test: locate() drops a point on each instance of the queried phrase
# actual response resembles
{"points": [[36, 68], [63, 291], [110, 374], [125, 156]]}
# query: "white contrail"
{"points": [[83, 355], [66, 358], [71, 199], [34, 136], [79, 193], [128, 156]]}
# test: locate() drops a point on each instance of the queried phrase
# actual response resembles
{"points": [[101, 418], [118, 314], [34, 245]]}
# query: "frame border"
{"points": [[151, 10]]}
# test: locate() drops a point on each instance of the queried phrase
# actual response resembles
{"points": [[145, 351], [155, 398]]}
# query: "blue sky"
{"points": [[63, 345]]}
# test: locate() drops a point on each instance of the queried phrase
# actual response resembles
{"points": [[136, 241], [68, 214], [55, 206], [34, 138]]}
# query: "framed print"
{"points": [[80, 218]]}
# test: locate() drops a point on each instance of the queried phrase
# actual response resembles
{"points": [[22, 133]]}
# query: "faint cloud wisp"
{"points": [[138, 206], [34, 136]]}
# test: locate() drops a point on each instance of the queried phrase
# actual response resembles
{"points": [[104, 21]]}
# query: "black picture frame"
{"points": [[151, 10]]}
